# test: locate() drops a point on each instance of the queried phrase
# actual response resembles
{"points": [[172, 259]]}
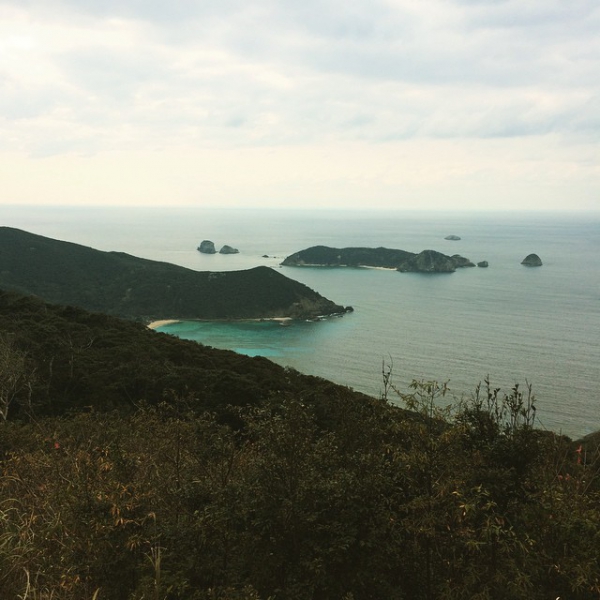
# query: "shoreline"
{"points": [[162, 322], [340, 266]]}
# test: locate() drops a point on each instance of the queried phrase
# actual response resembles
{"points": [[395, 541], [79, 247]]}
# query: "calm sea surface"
{"points": [[513, 323]]}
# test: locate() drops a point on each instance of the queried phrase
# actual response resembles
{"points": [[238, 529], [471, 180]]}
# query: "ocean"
{"points": [[512, 323]]}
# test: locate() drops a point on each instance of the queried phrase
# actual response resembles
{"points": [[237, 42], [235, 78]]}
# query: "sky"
{"points": [[353, 104]]}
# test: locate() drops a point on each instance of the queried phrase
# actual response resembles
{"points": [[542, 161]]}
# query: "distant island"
{"points": [[428, 261], [226, 249], [122, 285], [208, 247]]}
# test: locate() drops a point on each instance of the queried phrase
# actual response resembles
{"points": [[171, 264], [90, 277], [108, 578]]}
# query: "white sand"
{"points": [[162, 322]]}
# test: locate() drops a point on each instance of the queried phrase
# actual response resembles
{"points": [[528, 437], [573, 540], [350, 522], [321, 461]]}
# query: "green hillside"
{"points": [[135, 465], [119, 284], [79, 359]]}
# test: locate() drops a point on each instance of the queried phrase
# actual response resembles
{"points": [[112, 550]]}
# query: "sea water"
{"points": [[513, 323]]}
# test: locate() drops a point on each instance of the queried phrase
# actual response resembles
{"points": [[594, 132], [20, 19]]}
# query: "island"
{"points": [[428, 261], [532, 260], [122, 285]]}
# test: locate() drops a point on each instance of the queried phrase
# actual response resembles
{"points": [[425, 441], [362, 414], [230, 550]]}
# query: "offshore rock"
{"points": [[483, 264], [532, 260], [452, 238], [429, 261], [228, 250], [207, 247], [461, 262]]}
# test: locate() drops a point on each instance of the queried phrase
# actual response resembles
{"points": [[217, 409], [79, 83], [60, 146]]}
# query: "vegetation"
{"points": [[134, 465], [119, 284], [67, 359]]}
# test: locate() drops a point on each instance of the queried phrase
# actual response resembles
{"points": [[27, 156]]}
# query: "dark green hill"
{"points": [[56, 358], [123, 285]]}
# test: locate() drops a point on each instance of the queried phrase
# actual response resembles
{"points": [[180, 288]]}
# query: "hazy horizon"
{"points": [[331, 210], [390, 104]]}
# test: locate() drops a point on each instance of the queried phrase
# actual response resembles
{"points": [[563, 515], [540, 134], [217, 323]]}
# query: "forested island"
{"points": [[123, 285], [427, 261], [137, 465]]}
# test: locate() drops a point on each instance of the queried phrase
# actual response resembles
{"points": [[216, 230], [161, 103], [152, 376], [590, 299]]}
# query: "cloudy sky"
{"points": [[431, 104]]}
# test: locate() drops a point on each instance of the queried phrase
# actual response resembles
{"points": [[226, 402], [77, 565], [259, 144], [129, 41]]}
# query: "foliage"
{"points": [[170, 490], [76, 359]]}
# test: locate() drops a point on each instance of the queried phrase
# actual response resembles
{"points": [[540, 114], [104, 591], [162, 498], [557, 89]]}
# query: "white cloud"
{"points": [[94, 78]]}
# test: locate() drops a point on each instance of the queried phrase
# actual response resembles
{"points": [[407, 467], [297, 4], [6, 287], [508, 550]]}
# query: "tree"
{"points": [[16, 377]]}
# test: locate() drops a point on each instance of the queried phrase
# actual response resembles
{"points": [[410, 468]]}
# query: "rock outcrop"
{"points": [[207, 247], [461, 262], [452, 238], [429, 261], [532, 260], [228, 250], [483, 264]]}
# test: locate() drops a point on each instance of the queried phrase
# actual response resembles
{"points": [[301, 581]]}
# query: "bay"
{"points": [[513, 323]]}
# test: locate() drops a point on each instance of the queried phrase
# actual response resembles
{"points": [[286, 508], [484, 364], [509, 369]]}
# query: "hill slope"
{"points": [[123, 285], [55, 359]]}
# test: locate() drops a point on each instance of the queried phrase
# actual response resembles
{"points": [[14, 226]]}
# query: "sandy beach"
{"points": [[162, 322]]}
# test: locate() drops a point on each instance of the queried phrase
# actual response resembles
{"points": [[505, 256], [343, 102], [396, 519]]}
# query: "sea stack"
{"points": [[228, 250], [429, 261], [461, 262], [207, 247], [532, 260]]}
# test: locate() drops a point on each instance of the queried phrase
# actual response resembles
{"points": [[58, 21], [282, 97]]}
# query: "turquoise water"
{"points": [[517, 324]]}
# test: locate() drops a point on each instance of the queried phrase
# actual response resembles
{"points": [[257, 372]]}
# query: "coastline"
{"points": [[162, 322], [340, 266]]}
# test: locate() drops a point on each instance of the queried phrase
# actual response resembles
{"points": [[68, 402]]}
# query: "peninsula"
{"points": [[122, 285]]}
